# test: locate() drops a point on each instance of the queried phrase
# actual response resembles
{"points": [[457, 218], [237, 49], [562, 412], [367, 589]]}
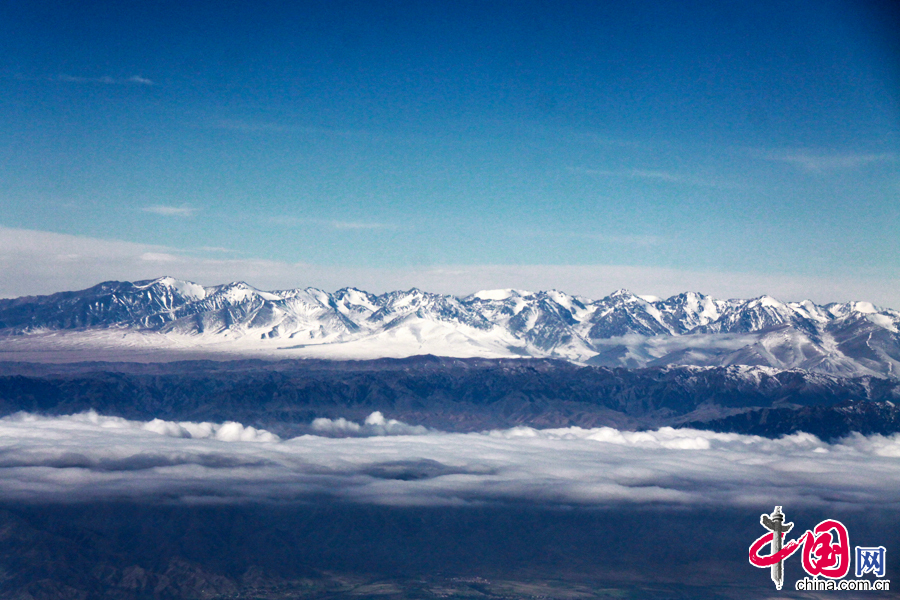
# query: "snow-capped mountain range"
{"points": [[622, 329]]}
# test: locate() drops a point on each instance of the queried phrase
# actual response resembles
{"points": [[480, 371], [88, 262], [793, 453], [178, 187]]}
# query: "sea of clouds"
{"points": [[89, 457]]}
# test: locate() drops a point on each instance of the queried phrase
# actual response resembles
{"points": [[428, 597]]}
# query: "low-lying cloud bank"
{"points": [[90, 457]]}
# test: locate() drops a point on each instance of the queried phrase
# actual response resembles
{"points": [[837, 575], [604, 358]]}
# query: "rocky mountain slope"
{"points": [[622, 329]]}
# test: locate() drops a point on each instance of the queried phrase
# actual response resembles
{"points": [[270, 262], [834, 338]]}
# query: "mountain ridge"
{"points": [[621, 329]]}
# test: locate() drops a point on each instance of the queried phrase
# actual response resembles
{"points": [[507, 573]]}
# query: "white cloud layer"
{"points": [[90, 457], [375, 424], [40, 262]]}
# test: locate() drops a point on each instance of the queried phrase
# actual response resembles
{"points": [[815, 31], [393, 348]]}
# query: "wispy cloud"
{"points": [[359, 225], [170, 211], [637, 239], [217, 249], [139, 79], [248, 126], [820, 162], [160, 257], [332, 223], [604, 140], [133, 80], [653, 175]]}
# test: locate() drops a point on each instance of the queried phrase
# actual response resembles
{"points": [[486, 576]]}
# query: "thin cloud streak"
{"points": [[359, 225], [334, 224], [134, 80], [820, 162], [605, 238], [247, 126], [159, 257], [217, 249], [170, 211], [653, 175]]}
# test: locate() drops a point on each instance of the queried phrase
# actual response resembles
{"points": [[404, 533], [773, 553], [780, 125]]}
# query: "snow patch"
{"points": [[863, 307], [883, 321]]}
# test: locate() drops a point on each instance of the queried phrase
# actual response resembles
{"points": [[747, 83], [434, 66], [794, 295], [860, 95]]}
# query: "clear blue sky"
{"points": [[729, 137]]}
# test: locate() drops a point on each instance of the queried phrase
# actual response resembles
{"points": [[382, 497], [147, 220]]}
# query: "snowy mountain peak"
{"points": [[766, 301], [353, 297], [186, 289]]}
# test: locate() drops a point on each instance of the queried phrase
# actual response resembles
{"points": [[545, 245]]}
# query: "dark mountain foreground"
{"points": [[329, 551], [459, 394]]}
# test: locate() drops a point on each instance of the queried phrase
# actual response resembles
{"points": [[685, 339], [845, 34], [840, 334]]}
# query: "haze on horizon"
{"points": [[733, 149]]}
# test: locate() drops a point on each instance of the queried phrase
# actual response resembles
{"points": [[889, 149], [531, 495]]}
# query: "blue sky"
{"points": [[345, 143]]}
